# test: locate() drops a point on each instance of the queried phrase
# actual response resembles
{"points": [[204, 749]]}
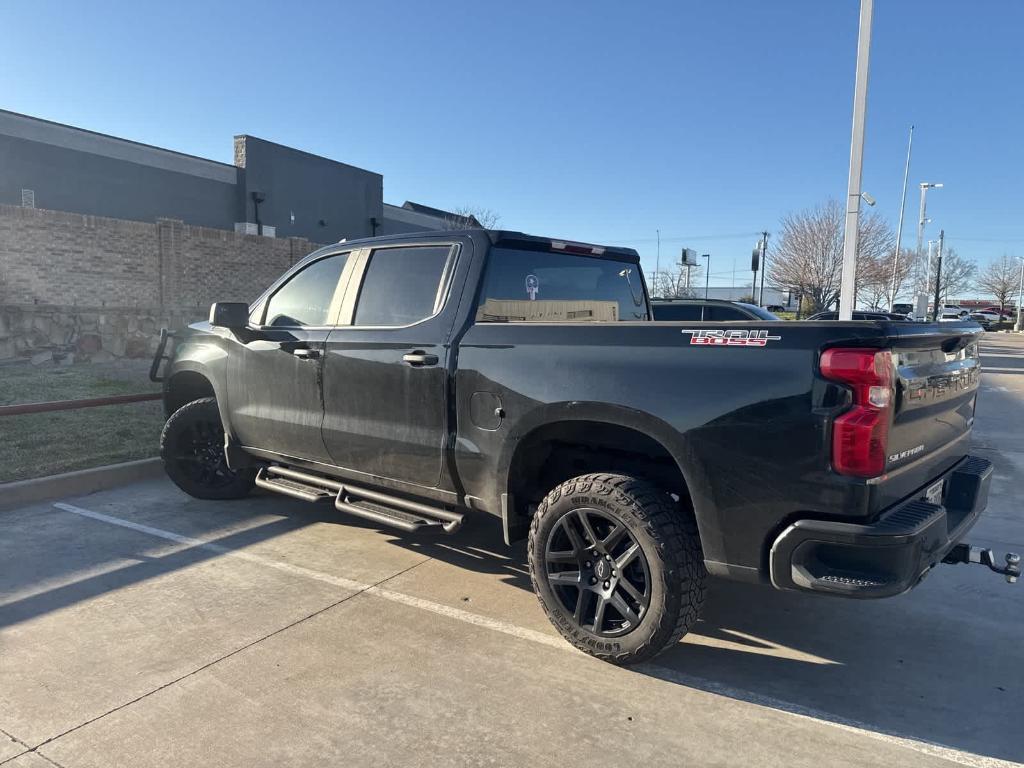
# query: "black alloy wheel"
{"points": [[192, 448], [598, 572]]}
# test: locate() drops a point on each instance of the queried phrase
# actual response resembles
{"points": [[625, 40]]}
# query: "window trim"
{"points": [[355, 289], [340, 292]]}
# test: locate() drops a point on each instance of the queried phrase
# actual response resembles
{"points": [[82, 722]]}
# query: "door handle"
{"points": [[305, 353], [419, 358]]}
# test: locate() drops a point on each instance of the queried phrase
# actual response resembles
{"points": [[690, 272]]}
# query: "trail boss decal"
{"points": [[735, 338]]}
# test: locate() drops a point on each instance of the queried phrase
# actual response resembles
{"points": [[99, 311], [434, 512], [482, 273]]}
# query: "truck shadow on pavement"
{"points": [[941, 664]]}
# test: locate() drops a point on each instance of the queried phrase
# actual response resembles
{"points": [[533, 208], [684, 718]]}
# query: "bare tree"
{"points": [[676, 284], [809, 256], [1000, 280], [468, 216], [957, 274], [877, 286]]}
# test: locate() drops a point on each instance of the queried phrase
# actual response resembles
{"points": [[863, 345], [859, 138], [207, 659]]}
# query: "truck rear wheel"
{"points": [[617, 566], [192, 447]]}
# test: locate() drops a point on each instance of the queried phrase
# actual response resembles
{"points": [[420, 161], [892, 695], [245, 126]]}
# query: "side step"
{"points": [[289, 487], [381, 508]]}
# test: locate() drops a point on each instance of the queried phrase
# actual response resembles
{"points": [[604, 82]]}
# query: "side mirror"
{"points": [[233, 315]]}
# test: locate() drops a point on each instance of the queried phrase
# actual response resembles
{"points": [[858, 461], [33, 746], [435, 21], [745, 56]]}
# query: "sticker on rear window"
{"points": [[733, 338], [532, 286]]}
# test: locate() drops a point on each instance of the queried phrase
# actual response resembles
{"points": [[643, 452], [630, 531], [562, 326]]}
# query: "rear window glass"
{"points": [[545, 287]]}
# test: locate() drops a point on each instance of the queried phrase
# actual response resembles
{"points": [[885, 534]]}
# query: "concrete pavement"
{"points": [[141, 627]]}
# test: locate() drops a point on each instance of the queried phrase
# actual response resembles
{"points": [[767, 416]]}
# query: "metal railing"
{"points": [[72, 405]]}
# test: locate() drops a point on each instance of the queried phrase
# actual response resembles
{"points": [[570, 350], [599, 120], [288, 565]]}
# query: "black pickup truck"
{"points": [[413, 380]]}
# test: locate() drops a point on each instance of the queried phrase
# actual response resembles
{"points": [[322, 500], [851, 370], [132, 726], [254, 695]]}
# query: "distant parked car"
{"points": [[860, 315], [985, 319], [708, 309], [953, 314], [903, 309], [954, 309], [775, 308], [1006, 313]]}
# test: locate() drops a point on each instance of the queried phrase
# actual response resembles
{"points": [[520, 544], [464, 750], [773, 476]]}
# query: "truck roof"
{"points": [[508, 238]]}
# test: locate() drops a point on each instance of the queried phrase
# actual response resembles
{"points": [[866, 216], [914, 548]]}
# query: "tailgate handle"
{"points": [[418, 358]]}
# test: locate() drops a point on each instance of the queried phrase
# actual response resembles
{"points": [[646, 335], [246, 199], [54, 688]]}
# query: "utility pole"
{"points": [[764, 264], [755, 262], [928, 265], [860, 108], [657, 261], [938, 276], [899, 228]]}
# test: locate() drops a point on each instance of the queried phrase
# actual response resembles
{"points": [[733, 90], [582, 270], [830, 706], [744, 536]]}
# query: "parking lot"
{"points": [[139, 626]]}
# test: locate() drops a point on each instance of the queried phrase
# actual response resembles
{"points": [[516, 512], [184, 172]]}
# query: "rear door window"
{"points": [[402, 285], [546, 287]]}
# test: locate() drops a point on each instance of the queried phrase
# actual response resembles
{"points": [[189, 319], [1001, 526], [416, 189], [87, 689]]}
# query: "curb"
{"points": [[78, 483]]}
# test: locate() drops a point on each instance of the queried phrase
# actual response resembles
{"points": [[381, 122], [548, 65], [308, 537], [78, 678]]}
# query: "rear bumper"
{"points": [[892, 554]]}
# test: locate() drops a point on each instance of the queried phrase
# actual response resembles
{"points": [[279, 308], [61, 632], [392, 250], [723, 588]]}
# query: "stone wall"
{"points": [[81, 285], [43, 333]]}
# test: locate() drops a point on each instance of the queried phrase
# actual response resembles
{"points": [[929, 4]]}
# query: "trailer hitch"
{"points": [[965, 553]]}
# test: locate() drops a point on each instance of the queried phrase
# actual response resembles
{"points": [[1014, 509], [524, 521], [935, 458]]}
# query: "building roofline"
{"points": [[113, 137], [304, 152]]}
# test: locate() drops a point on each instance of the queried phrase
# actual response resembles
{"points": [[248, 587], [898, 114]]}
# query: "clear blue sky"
{"points": [[596, 121]]}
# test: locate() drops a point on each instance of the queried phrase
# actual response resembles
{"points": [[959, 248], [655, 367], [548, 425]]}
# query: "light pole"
{"points": [[1020, 299], [860, 108], [707, 282], [899, 228], [657, 259], [922, 219]]}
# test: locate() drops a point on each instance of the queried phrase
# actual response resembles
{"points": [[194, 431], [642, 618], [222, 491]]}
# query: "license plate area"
{"points": [[933, 494]]}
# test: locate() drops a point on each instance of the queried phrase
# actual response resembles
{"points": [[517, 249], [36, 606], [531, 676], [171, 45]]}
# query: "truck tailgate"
{"points": [[937, 371]]}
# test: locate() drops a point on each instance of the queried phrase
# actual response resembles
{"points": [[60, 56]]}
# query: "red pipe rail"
{"points": [[72, 405]]}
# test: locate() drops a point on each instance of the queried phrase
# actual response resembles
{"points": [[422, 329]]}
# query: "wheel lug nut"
{"points": [[586, 564], [593, 580], [607, 584]]}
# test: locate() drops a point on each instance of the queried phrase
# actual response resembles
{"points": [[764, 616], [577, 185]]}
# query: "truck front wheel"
{"points": [[617, 565], [192, 447]]}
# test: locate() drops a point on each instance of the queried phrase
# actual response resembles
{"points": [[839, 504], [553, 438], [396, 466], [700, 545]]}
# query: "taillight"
{"points": [[861, 435], [581, 248]]}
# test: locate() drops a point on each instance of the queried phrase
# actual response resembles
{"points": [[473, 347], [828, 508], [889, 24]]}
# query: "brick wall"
{"points": [[51, 257], [59, 265]]}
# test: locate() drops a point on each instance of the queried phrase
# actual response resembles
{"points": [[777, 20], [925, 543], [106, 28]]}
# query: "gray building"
{"points": [[59, 167]]}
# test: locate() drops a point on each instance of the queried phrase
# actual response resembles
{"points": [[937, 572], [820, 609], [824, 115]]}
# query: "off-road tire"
{"points": [[192, 449], [667, 534]]}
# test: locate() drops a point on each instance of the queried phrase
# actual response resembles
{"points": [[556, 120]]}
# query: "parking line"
{"points": [[664, 673]]}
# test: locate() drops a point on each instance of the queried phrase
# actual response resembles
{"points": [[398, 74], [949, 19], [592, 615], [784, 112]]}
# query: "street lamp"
{"points": [[922, 219], [707, 282], [1020, 299]]}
